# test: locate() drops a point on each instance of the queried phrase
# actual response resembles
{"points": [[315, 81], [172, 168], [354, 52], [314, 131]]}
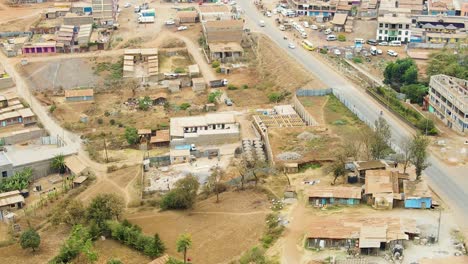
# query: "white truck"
{"points": [[145, 19]]}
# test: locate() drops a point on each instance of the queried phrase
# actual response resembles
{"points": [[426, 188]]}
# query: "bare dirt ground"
{"points": [[19, 18], [52, 239], [110, 249], [220, 231]]}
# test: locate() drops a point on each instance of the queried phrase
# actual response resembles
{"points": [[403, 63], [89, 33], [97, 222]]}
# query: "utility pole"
{"points": [[438, 227], [105, 147]]}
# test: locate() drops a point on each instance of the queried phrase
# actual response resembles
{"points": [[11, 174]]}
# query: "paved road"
{"points": [[448, 182]]}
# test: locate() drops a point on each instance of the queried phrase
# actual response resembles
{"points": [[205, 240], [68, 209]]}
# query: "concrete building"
{"points": [[187, 17], [394, 27], [104, 11], [179, 155], [198, 84], [320, 196], [225, 52], [214, 12], [77, 95], [210, 129], [315, 8], [77, 20], [39, 48], [20, 116], [223, 31], [417, 195], [439, 29], [10, 201], [448, 100], [84, 34]]}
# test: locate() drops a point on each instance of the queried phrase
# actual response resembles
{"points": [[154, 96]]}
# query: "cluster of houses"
{"points": [[13, 112], [384, 188], [408, 21], [66, 27]]}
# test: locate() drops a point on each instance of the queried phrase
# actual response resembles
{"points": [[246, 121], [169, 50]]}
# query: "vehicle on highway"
{"points": [[383, 43], [372, 42], [307, 45], [145, 19], [327, 31], [392, 53], [228, 101], [291, 46], [282, 28], [395, 43], [127, 5], [314, 27], [261, 23], [337, 52], [306, 24], [331, 37], [169, 22], [182, 28], [218, 83]]}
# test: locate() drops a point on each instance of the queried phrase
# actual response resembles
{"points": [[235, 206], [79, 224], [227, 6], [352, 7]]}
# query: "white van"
{"points": [[304, 35], [373, 50], [261, 23], [331, 37], [282, 28], [395, 43], [328, 31]]}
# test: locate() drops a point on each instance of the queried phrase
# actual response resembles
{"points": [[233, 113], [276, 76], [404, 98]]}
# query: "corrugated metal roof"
{"points": [[334, 192]]}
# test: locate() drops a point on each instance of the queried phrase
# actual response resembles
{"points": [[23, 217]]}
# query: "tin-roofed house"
{"points": [[417, 195], [383, 187], [27, 116], [361, 167], [78, 95], [187, 17], [161, 139], [320, 195], [10, 200]]}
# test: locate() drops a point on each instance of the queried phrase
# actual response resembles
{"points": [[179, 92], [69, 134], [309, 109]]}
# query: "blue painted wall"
{"points": [[418, 203]]}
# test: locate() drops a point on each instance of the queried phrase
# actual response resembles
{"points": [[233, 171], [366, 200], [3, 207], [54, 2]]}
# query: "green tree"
{"points": [[183, 196], [275, 97], [415, 92], [419, 154], [155, 248], [341, 37], [449, 63], [214, 184], [19, 181], [213, 95], [144, 103], [184, 242], [71, 212], [427, 126], [131, 135], [173, 261], [30, 239], [58, 163], [401, 72], [104, 207], [184, 106], [79, 241], [114, 261], [380, 138]]}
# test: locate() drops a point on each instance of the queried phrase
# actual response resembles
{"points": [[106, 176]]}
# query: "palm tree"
{"points": [[58, 163], [184, 242]]}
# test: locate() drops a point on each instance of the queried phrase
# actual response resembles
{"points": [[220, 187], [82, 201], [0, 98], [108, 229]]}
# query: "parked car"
{"points": [[328, 31], [395, 43], [373, 51], [268, 13], [306, 24], [337, 52], [304, 35], [392, 53], [169, 22], [261, 23], [314, 27], [379, 52], [127, 5], [228, 101], [331, 37], [372, 42], [383, 43], [182, 28], [291, 46], [282, 28]]}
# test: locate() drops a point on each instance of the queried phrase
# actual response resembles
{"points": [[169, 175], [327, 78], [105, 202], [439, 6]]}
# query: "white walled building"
{"points": [[394, 27]]}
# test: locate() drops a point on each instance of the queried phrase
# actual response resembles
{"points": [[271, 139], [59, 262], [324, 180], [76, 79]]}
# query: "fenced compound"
{"points": [[314, 92]]}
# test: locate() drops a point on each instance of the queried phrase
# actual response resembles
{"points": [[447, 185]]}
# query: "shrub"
{"points": [[218, 70], [273, 231], [245, 86], [30, 239], [184, 106], [182, 196], [232, 87], [212, 96], [106, 113], [215, 64], [78, 242], [52, 108], [275, 97], [144, 103], [100, 121], [341, 37], [131, 135], [357, 60], [112, 122], [179, 70], [323, 51]]}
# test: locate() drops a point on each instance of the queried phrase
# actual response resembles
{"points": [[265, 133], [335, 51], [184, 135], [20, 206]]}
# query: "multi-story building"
{"points": [[104, 10], [439, 29], [448, 100], [324, 8], [394, 27]]}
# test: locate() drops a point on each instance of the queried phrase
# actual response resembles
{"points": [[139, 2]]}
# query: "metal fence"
{"points": [[303, 113], [160, 161], [15, 34], [314, 92]]}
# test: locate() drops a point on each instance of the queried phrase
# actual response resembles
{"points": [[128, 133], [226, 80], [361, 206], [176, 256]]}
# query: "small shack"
{"points": [[78, 181], [339, 21], [417, 195], [161, 139], [173, 85], [360, 168], [193, 70], [291, 167], [225, 52], [290, 192], [383, 187], [187, 17], [320, 195], [77, 95], [179, 155], [198, 84], [144, 135], [75, 166], [10, 200]]}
